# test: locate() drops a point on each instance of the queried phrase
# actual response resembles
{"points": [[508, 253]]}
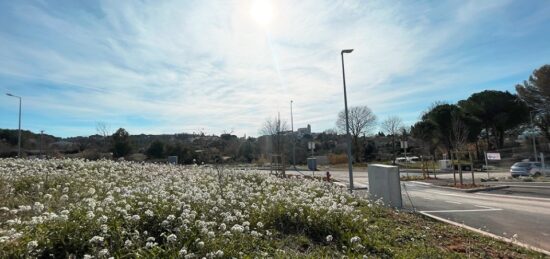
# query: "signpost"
{"points": [[493, 156], [404, 146], [312, 163]]}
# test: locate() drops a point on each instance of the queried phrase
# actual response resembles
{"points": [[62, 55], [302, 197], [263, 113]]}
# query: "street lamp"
{"points": [[19, 138], [350, 167], [533, 137], [293, 136]]}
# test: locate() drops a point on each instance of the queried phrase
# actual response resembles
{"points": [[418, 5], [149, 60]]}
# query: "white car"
{"points": [[529, 169]]}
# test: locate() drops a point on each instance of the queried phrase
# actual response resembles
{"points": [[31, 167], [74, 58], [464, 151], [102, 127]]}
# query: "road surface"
{"points": [[519, 212]]}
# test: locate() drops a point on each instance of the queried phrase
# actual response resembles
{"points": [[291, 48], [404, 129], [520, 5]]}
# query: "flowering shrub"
{"points": [[103, 209]]}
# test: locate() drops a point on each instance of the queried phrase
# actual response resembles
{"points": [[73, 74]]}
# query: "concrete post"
{"points": [[385, 184]]}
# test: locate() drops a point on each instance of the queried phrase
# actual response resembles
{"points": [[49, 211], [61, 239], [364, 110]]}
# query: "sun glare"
{"points": [[262, 12]]}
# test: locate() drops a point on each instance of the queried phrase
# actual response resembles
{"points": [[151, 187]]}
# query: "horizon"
{"points": [[159, 68]]}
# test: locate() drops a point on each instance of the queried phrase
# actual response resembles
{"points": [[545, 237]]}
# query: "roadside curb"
{"points": [[485, 233], [487, 188], [490, 188]]}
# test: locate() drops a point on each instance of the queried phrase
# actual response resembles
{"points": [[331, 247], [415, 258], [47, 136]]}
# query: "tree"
{"points": [[392, 126], [121, 143], [441, 115], [276, 129], [536, 94], [361, 121], [273, 127], [497, 111], [425, 131], [156, 149], [104, 131]]}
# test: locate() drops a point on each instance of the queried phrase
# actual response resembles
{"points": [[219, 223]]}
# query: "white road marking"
{"points": [[448, 211], [429, 199], [514, 196], [422, 183], [454, 202], [485, 207], [512, 241], [529, 186]]}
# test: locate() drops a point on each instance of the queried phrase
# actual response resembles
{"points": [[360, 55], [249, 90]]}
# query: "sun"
{"points": [[262, 12]]}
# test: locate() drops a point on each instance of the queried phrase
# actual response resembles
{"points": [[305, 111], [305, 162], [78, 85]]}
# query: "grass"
{"points": [[128, 210]]}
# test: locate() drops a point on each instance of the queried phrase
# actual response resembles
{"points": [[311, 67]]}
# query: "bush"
{"points": [[335, 159]]}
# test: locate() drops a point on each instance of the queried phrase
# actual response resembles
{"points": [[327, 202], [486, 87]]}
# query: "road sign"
{"points": [[311, 145], [404, 144], [493, 156]]}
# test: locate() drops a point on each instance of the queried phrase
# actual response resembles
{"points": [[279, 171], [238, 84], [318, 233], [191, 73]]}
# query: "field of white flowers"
{"points": [[102, 209]]}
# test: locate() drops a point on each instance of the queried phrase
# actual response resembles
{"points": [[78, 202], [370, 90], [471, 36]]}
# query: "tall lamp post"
{"points": [[350, 166], [533, 136], [293, 136], [19, 138]]}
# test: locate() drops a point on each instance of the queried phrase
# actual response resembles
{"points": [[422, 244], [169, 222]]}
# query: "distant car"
{"points": [[528, 169]]}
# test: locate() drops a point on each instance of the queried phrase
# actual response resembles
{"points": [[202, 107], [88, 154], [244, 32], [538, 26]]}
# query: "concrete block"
{"points": [[385, 184]]}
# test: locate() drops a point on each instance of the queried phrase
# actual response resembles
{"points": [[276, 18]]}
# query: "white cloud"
{"points": [[209, 65]]}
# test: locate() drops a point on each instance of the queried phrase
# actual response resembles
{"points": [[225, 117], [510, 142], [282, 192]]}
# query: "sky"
{"points": [[164, 67]]}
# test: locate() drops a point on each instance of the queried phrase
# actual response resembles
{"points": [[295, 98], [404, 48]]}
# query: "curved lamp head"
{"points": [[347, 51], [8, 94]]}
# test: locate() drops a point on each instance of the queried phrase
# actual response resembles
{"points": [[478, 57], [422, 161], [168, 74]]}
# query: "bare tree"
{"points": [[460, 139], [392, 126], [276, 128], [361, 121], [460, 134], [104, 130]]}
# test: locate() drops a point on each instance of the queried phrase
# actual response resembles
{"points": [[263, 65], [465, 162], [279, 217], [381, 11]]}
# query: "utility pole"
{"points": [[41, 135]]}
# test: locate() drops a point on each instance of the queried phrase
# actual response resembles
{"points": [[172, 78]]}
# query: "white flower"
{"points": [[171, 238], [91, 191], [32, 245], [200, 244], [38, 207], [102, 219], [96, 240], [90, 215], [136, 217], [150, 244], [182, 252], [237, 228], [64, 197], [355, 239], [104, 228], [103, 252], [260, 224], [222, 227], [329, 238], [128, 243], [149, 213]]}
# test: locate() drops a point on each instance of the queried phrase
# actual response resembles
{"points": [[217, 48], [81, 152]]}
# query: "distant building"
{"points": [[304, 131]]}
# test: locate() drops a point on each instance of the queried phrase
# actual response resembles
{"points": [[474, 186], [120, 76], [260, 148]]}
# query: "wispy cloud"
{"points": [[182, 66]]}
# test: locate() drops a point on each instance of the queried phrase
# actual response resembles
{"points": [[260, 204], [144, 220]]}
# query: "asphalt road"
{"points": [[518, 212], [499, 214]]}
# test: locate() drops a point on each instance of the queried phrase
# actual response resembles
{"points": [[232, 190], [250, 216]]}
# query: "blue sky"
{"points": [[188, 66]]}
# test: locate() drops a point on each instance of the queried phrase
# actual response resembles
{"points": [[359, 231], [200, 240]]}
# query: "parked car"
{"points": [[528, 169]]}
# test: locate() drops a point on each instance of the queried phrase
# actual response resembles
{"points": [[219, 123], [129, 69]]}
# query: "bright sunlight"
{"points": [[262, 12]]}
